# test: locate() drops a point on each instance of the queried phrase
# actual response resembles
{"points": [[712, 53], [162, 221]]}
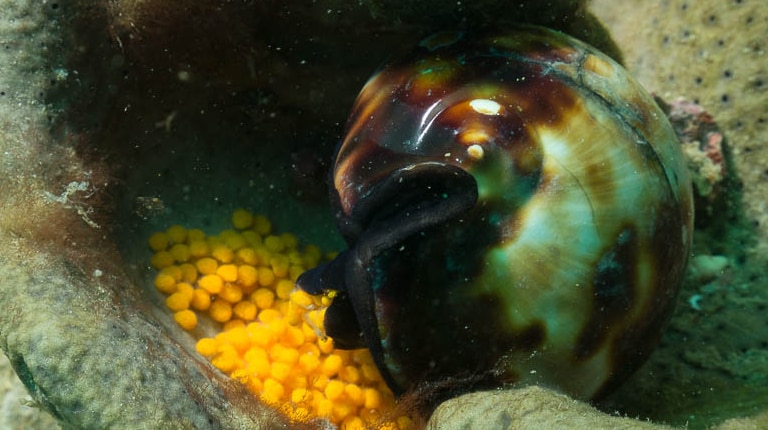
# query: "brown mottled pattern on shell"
{"points": [[603, 163]]}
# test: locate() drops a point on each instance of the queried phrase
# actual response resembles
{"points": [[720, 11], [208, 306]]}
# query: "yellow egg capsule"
{"points": [[162, 259], [297, 379], [247, 275], [165, 283], [245, 310], [260, 365], [254, 384], [173, 271], [319, 382], [176, 234], [301, 395], [350, 374], [301, 299], [180, 252], [242, 219], [234, 323], [262, 225], [227, 272], [354, 394], [188, 272], [201, 300], [279, 265], [237, 336], [211, 283], [280, 371], [326, 345], [341, 409], [284, 354], [263, 298], [222, 253], [220, 311], [186, 289], [158, 241], [324, 408], [294, 272], [198, 248], [247, 256], [274, 243], [372, 398], [186, 319], [266, 277], [290, 241], [194, 234], [293, 337], [260, 334], [334, 389], [252, 238], [273, 391], [207, 265], [353, 423], [310, 334], [271, 332], [309, 363], [283, 289], [370, 372], [254, 353], [277, 327], [235, 242], [331, 365], [404, 423], [293, 314], [177, 302], [207, 347], [226, 361]]}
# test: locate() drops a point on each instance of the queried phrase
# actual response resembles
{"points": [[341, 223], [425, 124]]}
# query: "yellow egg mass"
{"points": [[271, 337]]}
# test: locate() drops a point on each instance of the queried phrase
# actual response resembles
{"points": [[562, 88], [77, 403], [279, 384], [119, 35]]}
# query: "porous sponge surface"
{"points": [[271, 333], [94, 368]]}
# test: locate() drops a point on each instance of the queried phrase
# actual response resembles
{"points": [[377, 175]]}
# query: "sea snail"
{"points": [[517, 211]]}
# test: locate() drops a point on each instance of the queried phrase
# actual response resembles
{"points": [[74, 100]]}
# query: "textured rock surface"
{"points": [[527, 408], [713, 362], [93, 360], [715, 54], [73, 327]]}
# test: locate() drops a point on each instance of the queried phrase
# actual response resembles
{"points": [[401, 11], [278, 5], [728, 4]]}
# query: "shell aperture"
{"points": [[517, 210]]}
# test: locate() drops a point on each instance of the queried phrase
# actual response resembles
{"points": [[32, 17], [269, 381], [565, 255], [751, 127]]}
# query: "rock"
{"points": [[526, 408]]}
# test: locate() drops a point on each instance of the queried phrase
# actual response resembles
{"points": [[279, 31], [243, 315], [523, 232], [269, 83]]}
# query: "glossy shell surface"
{"points": [[517, 210]]}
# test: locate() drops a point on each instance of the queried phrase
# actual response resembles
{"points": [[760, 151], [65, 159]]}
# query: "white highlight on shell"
{"points": [[695, 301], [475, 152], [485, 106]]}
